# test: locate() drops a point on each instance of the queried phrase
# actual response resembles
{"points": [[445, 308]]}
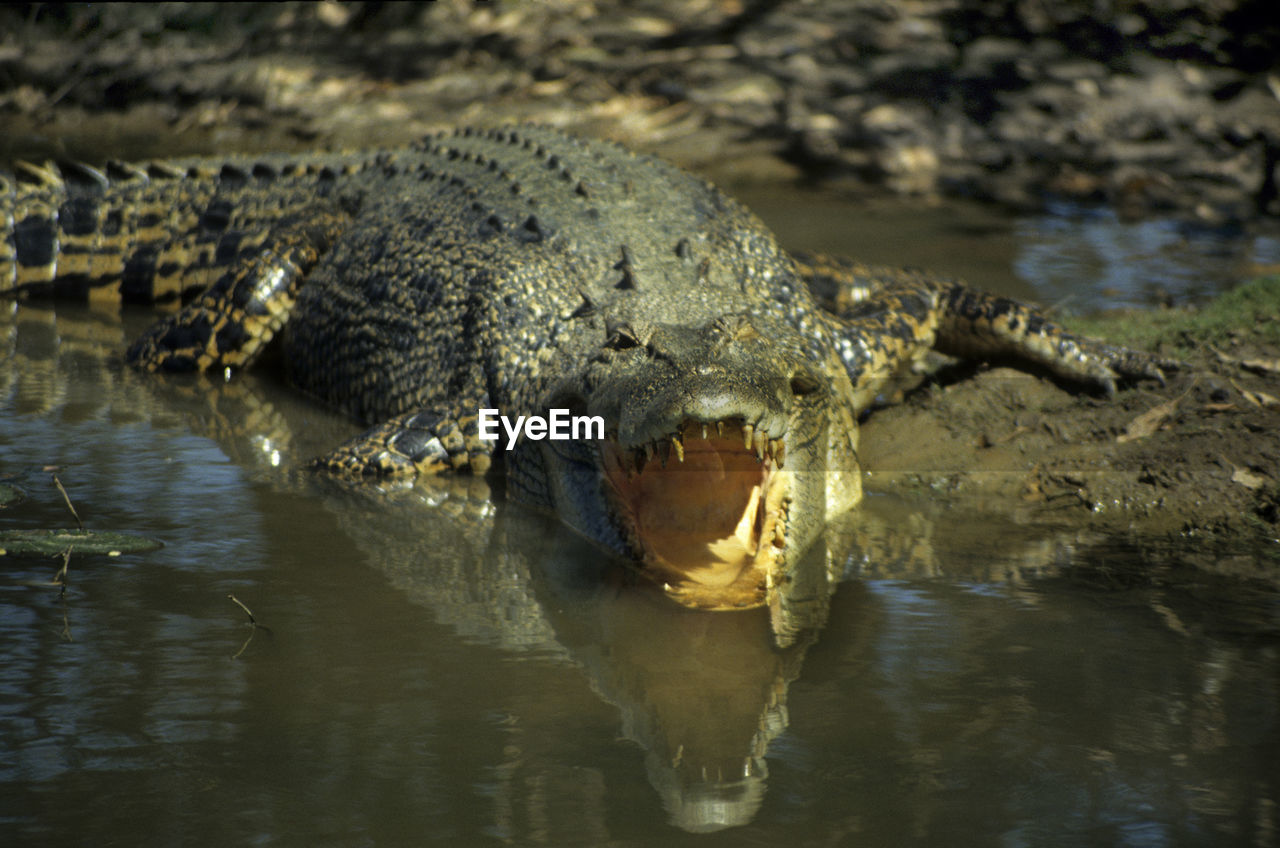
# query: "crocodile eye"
{"points": [[803, 384], [622, 337]]}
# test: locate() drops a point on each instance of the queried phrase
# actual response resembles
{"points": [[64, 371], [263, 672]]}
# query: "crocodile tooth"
{"points": [[664, 451], [758, 444], [720, 429], [679, 446], [640, 460], [704, 432], [748, 432], [624, 464], [648, 451], [780, 453]]}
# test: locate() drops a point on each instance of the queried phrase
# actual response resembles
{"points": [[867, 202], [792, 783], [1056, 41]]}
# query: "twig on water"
{"points": [[60, 579], [247, 612], [253, 623], [66, 621], [67, 498]]}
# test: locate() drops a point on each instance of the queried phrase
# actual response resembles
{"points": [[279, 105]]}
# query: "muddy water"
{"points": [[429, 667]]}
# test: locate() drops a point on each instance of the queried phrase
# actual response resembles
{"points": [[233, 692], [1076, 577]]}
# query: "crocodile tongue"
{"points": [[706, 519]]}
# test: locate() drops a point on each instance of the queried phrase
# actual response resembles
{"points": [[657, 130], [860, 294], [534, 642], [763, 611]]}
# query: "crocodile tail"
{"points": [[151, 232], [121, 233]]}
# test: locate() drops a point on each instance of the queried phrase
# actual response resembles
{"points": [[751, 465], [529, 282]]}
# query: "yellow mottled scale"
{"points": [[34, 212], [228, 325], [106, 257], [840, 283], [76, 252], [152, 232], [894, 316]]}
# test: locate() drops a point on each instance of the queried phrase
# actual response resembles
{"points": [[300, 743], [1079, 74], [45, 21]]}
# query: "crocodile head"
{"points": [[725, 451]]}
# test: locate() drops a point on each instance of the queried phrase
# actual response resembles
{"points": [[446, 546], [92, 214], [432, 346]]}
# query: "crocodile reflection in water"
{"points": [[702, 693]]}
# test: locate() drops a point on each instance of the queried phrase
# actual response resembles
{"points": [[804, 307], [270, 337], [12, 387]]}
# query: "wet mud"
{"points": [[1195, 457]]}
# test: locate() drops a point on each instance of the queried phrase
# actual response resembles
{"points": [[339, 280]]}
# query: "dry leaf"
{"points": [[1259, 366], [1263, 399], [1148, 422], [1256, 398], [1262, 366]]}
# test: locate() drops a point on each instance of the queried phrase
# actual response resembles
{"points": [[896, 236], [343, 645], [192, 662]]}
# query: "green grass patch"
{"points": [[1252, 308]]}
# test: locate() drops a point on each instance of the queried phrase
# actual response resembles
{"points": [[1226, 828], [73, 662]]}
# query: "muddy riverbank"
{"points": [[1195, 457], [1155, 107]]}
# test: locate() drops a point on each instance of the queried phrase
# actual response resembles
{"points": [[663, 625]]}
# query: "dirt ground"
{"points": [[1153, 107], [1197, 457]]}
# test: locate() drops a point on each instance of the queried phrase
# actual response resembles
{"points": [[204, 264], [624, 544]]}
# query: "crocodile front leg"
{"points": [[414, 443], [229, 324], [977, 325], [890, 317]]}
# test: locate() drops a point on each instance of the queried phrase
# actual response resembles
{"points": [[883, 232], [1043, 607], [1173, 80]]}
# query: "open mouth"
{"points": [[706, 508]]}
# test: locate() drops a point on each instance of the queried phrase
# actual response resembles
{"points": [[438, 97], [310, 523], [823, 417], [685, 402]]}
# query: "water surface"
{"points": [[1073, 257]]}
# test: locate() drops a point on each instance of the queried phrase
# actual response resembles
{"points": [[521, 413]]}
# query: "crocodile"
{"points": [[526, 270]]}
